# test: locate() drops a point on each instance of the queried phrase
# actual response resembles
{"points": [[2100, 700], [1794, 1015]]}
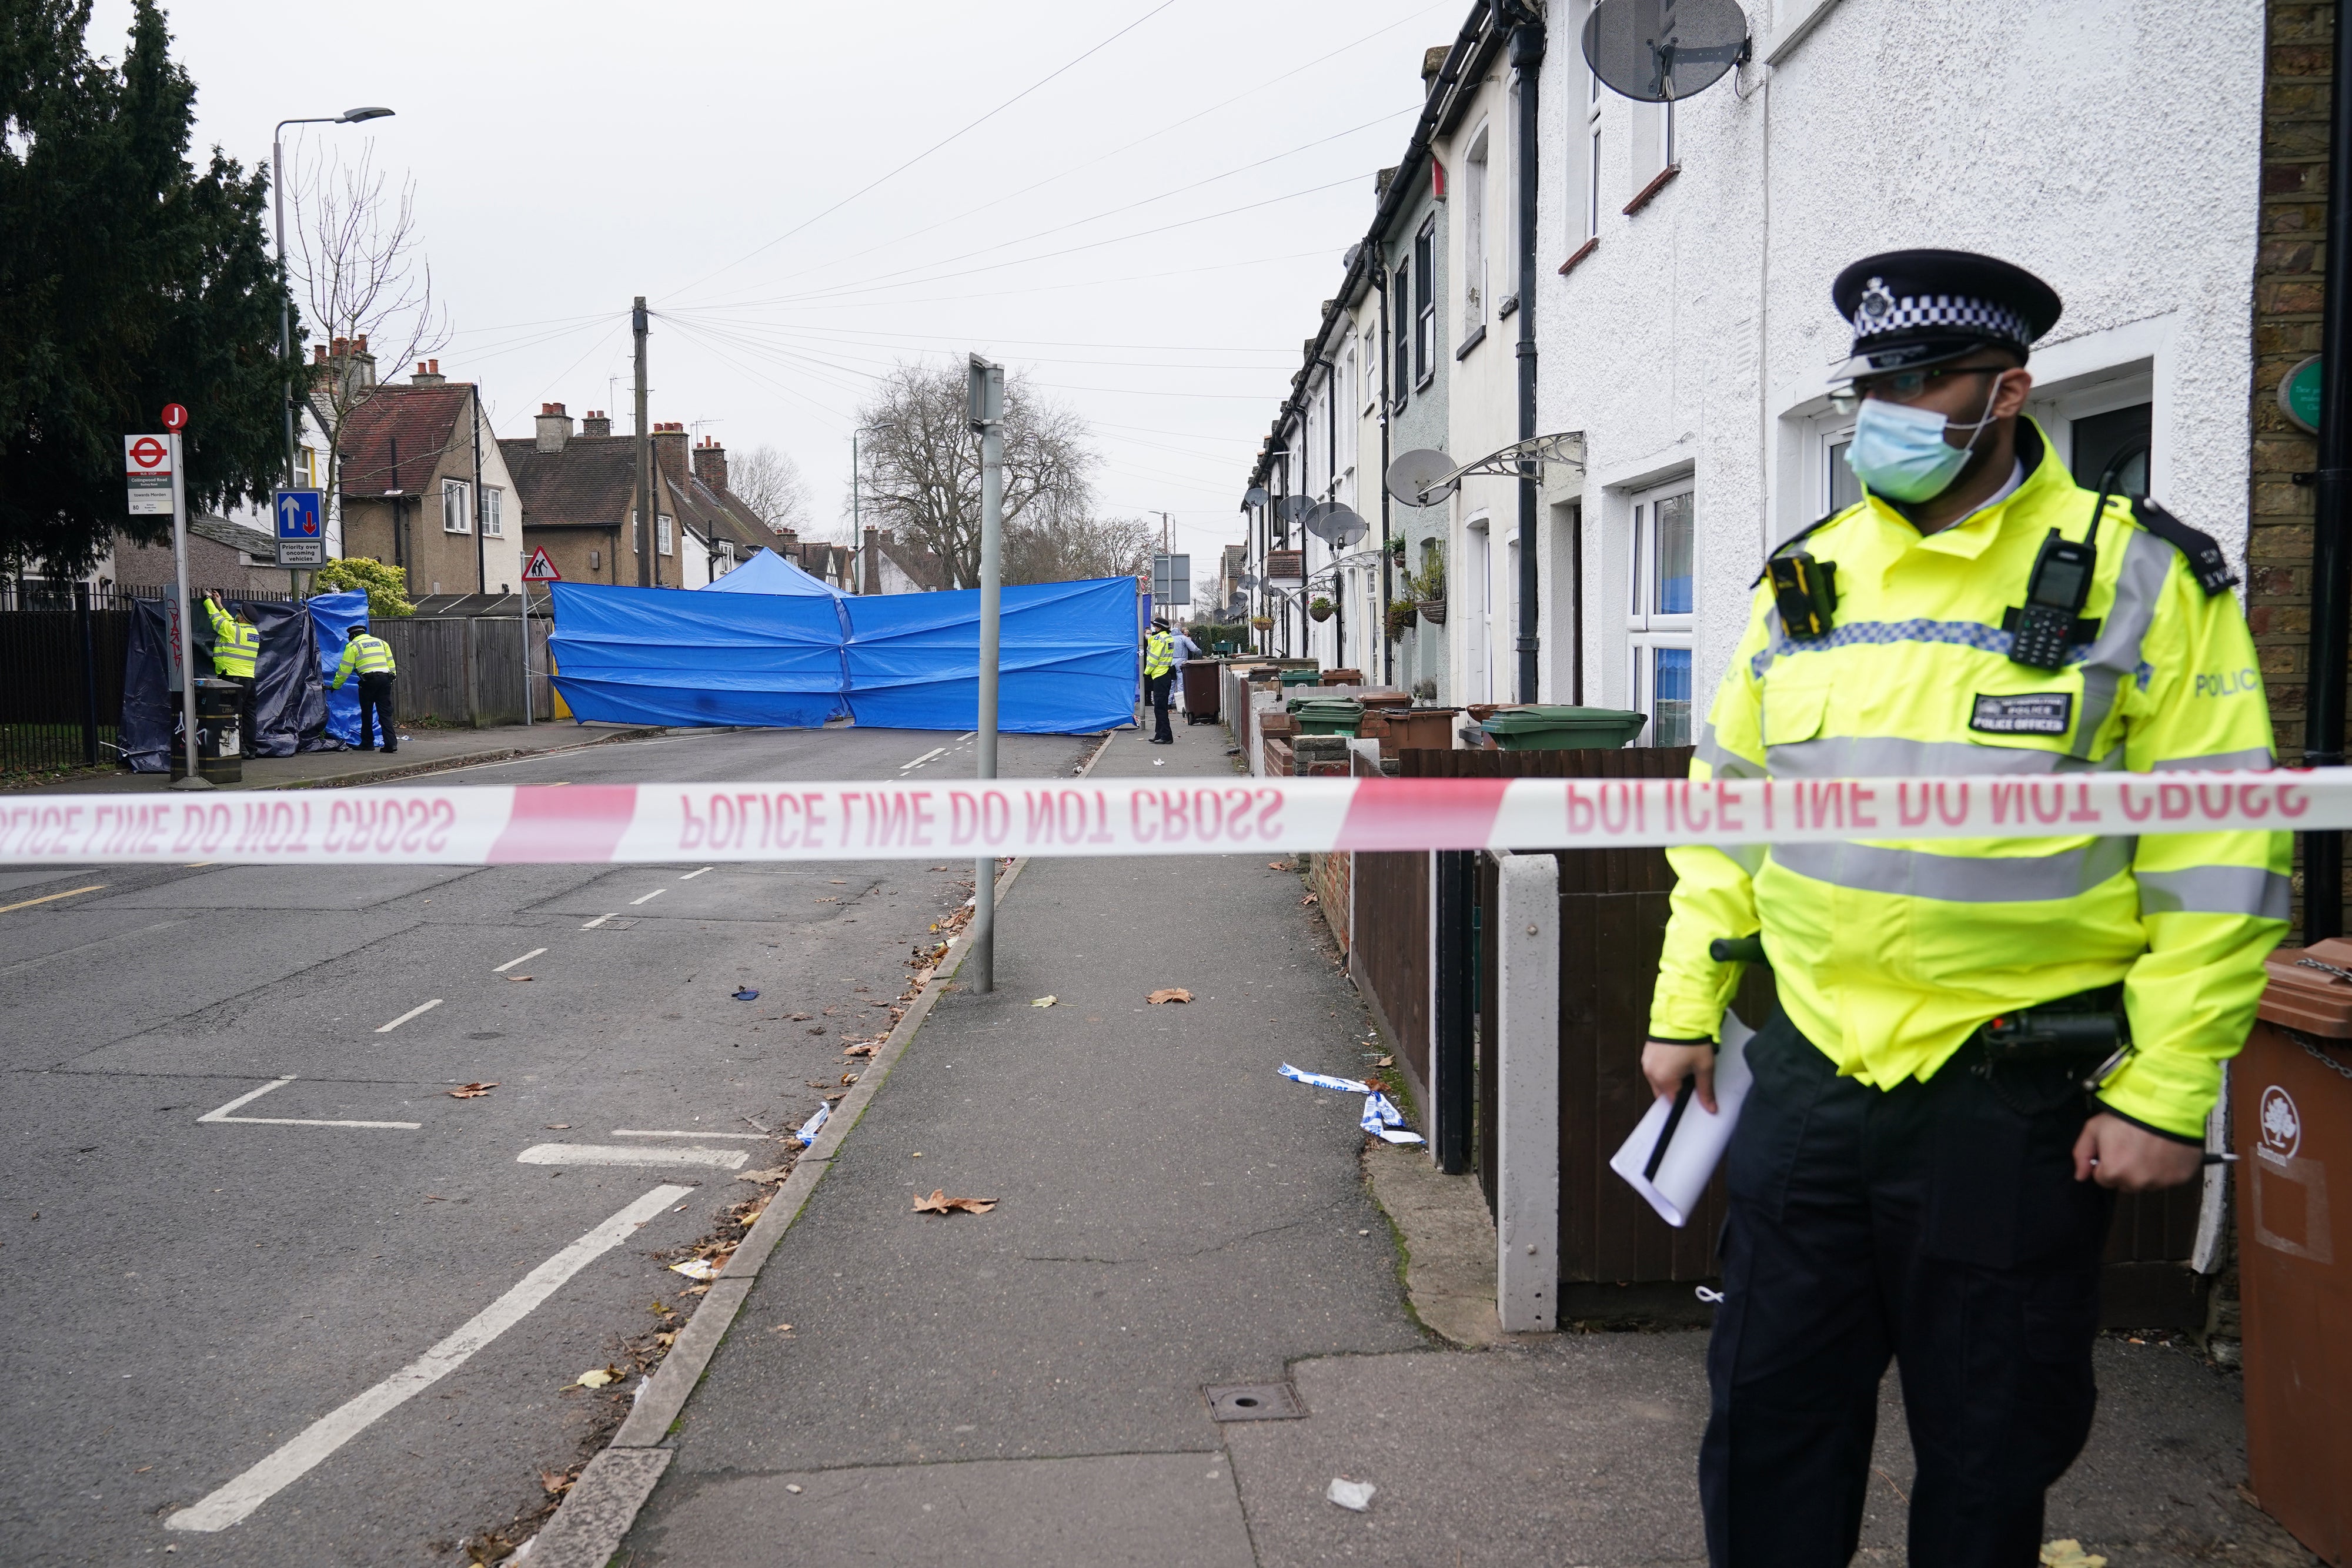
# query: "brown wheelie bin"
{"points": [[2291, 1119]]}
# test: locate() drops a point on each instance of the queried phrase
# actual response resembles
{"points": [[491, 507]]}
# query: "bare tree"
{"points": [[1067, 550], [769, 483], [358, 265], [921, 464]]}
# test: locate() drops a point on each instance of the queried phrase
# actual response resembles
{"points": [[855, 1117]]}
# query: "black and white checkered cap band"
{"points": [[1944, 310]]}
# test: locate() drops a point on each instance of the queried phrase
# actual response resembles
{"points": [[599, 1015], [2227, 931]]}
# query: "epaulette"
{"points": [[2206, 560], [1799, 536]]}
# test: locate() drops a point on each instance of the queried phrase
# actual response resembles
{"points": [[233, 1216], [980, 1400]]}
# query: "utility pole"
{"points": [[986, 404], [481, 549], [1527, 59], [645, 530]]}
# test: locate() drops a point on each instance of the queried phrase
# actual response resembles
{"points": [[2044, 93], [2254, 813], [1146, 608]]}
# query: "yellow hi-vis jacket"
{"points": [[368, 655], [1159, 654], [235, 644], [1888, 953]]}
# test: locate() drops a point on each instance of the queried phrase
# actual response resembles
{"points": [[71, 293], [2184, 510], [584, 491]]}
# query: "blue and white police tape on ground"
{"points": [[463, 825]]}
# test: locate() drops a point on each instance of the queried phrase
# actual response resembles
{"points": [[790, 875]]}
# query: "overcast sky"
{"points": [[567, 158]]}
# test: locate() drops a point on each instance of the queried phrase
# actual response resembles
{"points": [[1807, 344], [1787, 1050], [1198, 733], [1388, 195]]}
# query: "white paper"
{"points": [[1699, 1137]]}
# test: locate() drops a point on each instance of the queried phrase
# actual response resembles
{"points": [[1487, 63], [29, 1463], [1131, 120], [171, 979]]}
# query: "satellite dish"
{"points": [[1248, 580], [1343, 527], [1656, 51], [1413, 477], [1292, 509], [1256, 497]]}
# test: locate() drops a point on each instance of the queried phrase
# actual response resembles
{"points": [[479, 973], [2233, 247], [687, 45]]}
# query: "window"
{"points": [[1400, 328], [494, 517], [1658, 611], [306, 470], [1424, 320], [662, 526], [1473, 235], [1590, 204], [1653, 144], [2119, 440], [454, 506], [1371, 359], [1840, 485]]}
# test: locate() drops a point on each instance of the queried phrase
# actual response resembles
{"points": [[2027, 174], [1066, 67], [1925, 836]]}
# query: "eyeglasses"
{"points": [[1903, 386]]}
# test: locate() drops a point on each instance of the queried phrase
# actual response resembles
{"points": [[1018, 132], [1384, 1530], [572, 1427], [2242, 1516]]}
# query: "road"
{"points": [[196, 1301]]}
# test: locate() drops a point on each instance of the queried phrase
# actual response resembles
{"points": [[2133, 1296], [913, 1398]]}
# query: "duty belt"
{"points": [[2089, 1029]]}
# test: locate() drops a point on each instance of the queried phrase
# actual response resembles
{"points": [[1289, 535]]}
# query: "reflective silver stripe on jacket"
{"points": [[1726, 764], [1748, 858], [2259, 757], [2114, 657], [1890, 756], [2244, 889], [1957, 879]]}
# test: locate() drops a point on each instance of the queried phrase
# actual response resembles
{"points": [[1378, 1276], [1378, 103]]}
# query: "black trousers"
{"points": [[1160, 686], [376, 712], [244, 684], [1936, 1223]]}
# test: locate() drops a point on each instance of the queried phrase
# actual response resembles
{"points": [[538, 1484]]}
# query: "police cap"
{"points": [[1915, 307]]}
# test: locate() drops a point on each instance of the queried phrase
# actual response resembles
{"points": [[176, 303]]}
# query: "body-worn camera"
{"points": [[1806, 591]]}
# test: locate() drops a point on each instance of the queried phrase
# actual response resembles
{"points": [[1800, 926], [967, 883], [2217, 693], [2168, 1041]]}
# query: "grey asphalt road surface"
{"points": [[186, 1298]]}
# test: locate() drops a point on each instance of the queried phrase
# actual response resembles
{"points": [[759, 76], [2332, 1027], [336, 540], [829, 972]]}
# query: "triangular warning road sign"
{"points": [[540, 569]]}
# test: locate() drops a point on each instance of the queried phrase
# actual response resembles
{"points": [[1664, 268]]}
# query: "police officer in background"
{"points": [[236, 645], [371, 658], [1158, 675], [1978, 1040]]}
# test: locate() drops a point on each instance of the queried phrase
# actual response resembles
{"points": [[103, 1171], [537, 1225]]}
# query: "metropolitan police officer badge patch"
{"points": [[1877, 302], [2038, 713]]}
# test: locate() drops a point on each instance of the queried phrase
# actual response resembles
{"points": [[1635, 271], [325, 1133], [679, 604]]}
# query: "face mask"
{"points": [[1900, 452]]}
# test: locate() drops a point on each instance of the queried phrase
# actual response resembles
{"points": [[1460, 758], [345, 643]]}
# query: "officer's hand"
{"points": [[2114, 1153], [1667, 1064]]}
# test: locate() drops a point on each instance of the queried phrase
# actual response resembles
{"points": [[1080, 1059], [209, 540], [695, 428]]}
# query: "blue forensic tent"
{"points": [[1070, 656], [768, 572], [652, 655]]}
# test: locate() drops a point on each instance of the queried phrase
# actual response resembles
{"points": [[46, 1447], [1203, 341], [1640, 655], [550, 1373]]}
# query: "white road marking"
{"points": [[647, 1133], [689, 876], [243, 1099], [598, 921], [331, 1431], [926, 757], [413, 1012], [649, 897], [621, 1155], [511, 962]]}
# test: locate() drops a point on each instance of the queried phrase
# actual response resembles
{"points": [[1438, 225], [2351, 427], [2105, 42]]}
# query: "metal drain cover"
{"points": [[1252, 1402]]}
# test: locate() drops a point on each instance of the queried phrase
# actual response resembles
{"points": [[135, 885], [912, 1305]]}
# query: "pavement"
{"points": [[1027, 1385], [241, 1198], [428, 750]]}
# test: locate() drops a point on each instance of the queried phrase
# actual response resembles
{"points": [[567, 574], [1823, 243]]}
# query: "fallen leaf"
{"points": [[2070, 1555], [782, 1328], [1277, 865], [665, 1340], [859, 1051], [600, 1377], [816, 1029], [776, 1173], [1045, 1002], [517, 976], [1310, 898], [799, 1018], [471, 1090], [1168, 994], [556, 1482], [941, 1203], [1385, 1062]]}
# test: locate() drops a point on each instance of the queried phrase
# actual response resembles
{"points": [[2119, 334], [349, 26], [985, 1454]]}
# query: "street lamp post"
{"points": [[286, 310]]}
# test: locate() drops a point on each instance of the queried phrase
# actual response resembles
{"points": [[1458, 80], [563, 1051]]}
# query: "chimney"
{"points": [[595, 422], [1432, 60], [428, 374], [317, 353], [711, 465], [554, 427], [873, 562], [362, 372], [669, 451]]}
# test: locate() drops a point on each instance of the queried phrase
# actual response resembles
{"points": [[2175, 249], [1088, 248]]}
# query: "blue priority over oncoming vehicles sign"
{"points": [[301, 537]]}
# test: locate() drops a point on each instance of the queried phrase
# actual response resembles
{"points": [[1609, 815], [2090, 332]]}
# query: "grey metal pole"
{"points": [[180, 606], [1526, 61], [987, 408], [285, 305]]}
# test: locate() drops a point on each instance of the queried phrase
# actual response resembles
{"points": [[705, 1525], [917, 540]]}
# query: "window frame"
{"points": [[1591, 203], [1477, 205], [494, 517], [1401, 320], [665, 534], [1651, 631], [1424, 320], [459, 491]]}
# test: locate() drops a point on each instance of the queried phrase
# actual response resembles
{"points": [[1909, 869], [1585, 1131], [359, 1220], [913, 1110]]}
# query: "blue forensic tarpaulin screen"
{"points": [[332, 615], [654, 655], [1068, 653], [768, 572]]}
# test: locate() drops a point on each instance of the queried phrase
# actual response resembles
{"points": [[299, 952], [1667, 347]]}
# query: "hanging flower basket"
{"points": [[1400, 619], [1263, 622], [1320, 610], [1433, 611]]}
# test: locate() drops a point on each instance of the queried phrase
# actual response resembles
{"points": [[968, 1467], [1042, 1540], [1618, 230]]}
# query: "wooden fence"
{"points": [[465, 670]]}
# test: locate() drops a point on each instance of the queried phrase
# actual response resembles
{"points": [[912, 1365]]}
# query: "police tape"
{"points": [[879, 821]]}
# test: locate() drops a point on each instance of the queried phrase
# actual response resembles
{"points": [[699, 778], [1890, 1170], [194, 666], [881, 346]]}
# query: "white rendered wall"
{"points": [[2111, 147]]}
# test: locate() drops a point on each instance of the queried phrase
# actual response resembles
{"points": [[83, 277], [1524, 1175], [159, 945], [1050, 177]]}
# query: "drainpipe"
{"points": [[1526, 59], [1387, 573], [2331, 563]]}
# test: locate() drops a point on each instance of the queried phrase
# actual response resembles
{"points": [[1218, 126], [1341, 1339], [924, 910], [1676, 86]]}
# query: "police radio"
{"points": [[2045, 628], [1806, 591]]}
